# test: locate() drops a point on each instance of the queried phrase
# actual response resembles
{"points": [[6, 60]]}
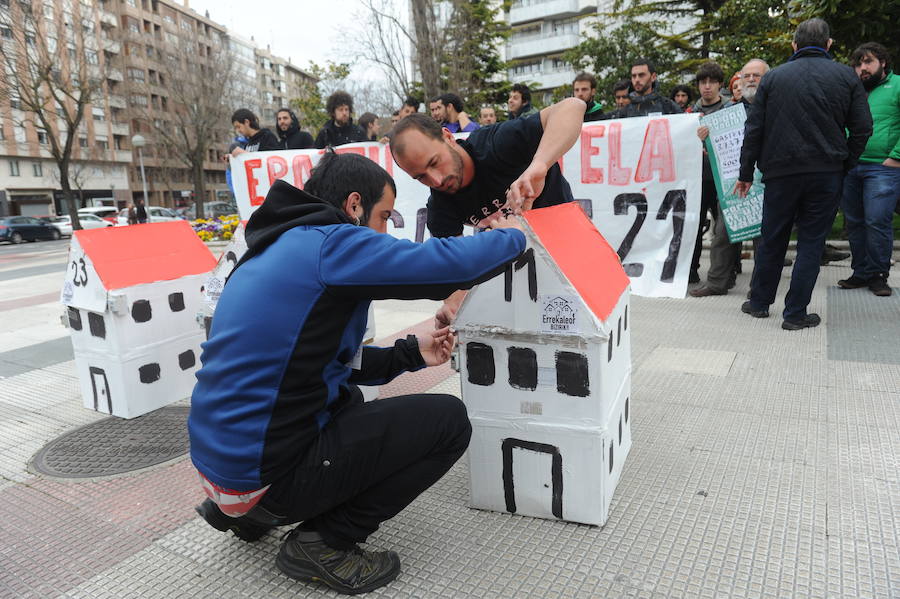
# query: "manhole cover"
{"points": [[114, 445]]}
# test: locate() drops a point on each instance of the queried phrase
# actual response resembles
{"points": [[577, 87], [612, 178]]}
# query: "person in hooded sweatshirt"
{"points": [[645, 99], [279, 430], [287, 126], [340, 128], [246, 125]]}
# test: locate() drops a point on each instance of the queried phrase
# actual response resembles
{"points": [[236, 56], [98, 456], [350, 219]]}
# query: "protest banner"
{"points": [[638, 180], [743, 216]]}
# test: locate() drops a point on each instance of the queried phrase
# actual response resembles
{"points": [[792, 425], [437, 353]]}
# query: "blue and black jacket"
{"points": [[293, 315]]}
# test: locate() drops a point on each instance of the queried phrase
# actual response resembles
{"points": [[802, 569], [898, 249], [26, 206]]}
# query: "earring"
{"points": [[356, 221]]}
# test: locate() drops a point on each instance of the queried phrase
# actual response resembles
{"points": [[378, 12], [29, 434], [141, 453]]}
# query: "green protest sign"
{"points": [[726, 134]]}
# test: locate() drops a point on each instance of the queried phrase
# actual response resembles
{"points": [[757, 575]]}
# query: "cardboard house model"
{"points": [[215, 283], [545, 362], [132, 295]]}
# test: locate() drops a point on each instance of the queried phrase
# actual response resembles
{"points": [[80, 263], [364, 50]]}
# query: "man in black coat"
{"points": [[340, 128], [806, 128], [289, 133], [246, 124], [645, 99]]}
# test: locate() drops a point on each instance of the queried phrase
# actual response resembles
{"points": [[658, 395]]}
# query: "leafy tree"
{"points": [[748, 29], [854, 23]]}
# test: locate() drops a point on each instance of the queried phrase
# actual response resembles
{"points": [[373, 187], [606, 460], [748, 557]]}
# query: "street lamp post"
{"points": [[139, 142]]}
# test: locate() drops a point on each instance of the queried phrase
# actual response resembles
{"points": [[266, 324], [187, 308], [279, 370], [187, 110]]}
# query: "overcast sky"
{"points": [[303, 30]]}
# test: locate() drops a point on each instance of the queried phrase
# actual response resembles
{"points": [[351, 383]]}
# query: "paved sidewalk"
{"points": [[765, 463]]}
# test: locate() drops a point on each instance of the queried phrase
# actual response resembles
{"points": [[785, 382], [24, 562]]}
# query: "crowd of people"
{"points": [[279, 430]]}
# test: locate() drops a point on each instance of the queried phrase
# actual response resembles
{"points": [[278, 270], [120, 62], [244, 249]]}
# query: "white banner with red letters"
{"points": [[638, 179]]}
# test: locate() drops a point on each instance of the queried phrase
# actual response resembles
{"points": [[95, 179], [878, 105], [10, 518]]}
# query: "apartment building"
{"points": [[542, 30], [278, 81], [98, 173]]}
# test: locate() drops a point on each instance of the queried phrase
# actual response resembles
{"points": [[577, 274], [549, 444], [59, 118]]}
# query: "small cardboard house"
{"points": [[545, 359], [215, 283], [132, 295]]}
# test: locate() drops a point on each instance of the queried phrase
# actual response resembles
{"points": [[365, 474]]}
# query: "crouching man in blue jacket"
{"points": [[279, 431]]}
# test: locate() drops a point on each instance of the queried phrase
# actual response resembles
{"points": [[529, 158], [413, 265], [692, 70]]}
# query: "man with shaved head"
{"points": [[510, 165]]}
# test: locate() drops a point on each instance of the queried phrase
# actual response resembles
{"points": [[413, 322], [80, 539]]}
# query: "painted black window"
{"points": [[140, 311], [187, 359], [149, 373], [572, 374], [480, 363], [74, 319], [522, 363], [96, 324], [176, 301]]}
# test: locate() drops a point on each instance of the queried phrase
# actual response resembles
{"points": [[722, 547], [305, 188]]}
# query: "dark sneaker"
{"points": [[241, 527], [694, 277], [811, 320], [832, 254], [305, 556], [746, 308], [853, 282], [879, 287], [705, 291]]}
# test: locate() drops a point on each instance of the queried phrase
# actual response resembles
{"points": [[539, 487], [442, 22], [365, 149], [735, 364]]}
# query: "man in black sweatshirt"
{"points": [[806, 128], [340, 128], [246, 124]]}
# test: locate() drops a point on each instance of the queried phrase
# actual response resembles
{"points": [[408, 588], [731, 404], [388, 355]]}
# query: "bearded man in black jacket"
{"points": [[287, 127]]}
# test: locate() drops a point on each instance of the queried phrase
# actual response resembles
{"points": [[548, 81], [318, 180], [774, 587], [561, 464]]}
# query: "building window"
{"points": [[102, 144], [19, 132], [480, 363], [82, 142], [13, 168], [37, 169], [90, 57], [572, 374], [136, 74], [99, 114], [139, 100]]}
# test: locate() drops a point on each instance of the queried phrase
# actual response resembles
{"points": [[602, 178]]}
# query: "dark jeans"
{"points": [[871, 192], [809, 200], [709, 200], [371, 461], [724, 256]]}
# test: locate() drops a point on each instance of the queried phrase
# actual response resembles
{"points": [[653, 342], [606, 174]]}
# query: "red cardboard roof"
{"points": [[135, 254], [582, 254]]}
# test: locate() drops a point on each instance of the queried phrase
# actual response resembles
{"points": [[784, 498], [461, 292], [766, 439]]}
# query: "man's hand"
{"points": [[237, 151], [526, 188], [741, 188], [891, 163], [437, 347], [702, 132], [506, 221], [447, 312]]}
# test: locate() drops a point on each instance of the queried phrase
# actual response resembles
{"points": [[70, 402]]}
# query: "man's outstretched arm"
{"points": [[562, 126]]}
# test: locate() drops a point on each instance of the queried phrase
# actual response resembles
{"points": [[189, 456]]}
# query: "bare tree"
{"points": [[78, 176], [386, 42], [193, 118], [53, 71], [431, 37]]}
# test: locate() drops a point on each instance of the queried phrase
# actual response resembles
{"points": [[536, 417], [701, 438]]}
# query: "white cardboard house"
{"points": [[545, 361], [132, 295]]}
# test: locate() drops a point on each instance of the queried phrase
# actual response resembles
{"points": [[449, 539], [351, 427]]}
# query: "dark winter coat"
{"points": [[810, 115], [294, 138], [333, 135]]}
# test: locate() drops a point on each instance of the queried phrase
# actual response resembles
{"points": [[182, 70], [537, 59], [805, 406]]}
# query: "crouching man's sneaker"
{"points": [[244, 529], [305, 556]]}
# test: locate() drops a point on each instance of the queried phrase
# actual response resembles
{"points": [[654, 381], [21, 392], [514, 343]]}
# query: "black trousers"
{"points": [[809, 200], [709, 201], [371, 461]]}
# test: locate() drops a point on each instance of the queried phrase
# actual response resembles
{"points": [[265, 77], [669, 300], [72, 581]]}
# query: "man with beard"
{"points": [[645, 98], [584, 87], [621, 89], [510, 166], [447, 109], [519, 102], [289, 133], [872, 187], [340, 129], [803, 147]]}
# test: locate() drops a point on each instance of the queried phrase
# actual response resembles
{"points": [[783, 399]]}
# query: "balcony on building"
{"points": [[117, 102], [109, 19], [546, 79], [523, 11], [542, 44]]}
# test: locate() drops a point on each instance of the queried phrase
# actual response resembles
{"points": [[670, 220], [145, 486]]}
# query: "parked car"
{"points": [[16, 229], [210, 210], [64, 223], [107, 213], [155, 214]]}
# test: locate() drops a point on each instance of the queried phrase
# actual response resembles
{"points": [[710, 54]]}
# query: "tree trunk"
{"points": [[199, 186], [426, 47], [69, 197]]}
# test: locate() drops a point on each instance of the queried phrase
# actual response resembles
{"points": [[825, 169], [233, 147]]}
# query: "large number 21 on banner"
{"points": [[638, 179], [641, 179]]}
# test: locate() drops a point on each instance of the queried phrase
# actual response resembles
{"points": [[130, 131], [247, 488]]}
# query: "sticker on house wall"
{"points": [[558, 314]]}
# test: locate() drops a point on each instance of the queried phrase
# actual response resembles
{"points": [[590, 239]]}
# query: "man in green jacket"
{"points": [[872, 187]]}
